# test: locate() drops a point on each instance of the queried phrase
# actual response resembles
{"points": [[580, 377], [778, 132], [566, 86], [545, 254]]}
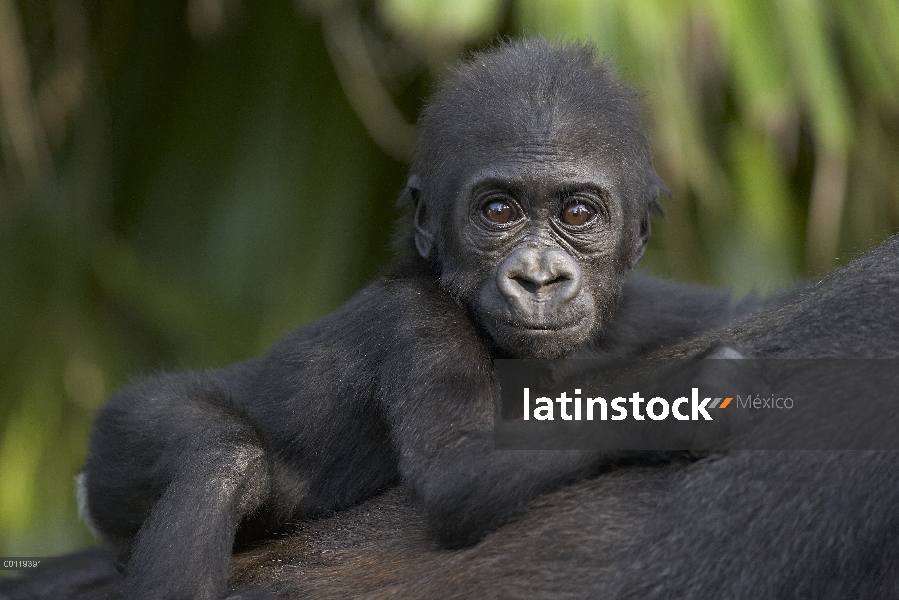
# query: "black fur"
{"points": [[397, 384], [746, 525]]}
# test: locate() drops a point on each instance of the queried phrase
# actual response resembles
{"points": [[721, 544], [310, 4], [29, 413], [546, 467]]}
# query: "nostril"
{"points": [[533, 284], [526, 284]]}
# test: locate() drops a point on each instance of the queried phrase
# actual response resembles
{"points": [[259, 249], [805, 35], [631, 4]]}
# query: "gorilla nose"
{"points": [[548, 276]]}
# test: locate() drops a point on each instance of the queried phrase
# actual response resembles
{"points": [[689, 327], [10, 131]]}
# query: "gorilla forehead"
{"points": [[530, 95], [541, 167]]}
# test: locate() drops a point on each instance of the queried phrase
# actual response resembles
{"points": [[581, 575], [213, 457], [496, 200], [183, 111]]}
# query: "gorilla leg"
{"points": [[203, 475]]}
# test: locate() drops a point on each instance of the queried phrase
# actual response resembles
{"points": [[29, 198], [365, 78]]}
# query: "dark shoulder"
{"points": [[404, 302], [656, 312]]}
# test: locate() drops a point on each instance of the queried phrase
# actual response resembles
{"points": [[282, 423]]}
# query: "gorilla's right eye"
{"points": [[500, 212]]}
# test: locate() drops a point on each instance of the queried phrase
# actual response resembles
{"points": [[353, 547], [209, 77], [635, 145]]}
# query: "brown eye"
{"points": [[577, 213], [499, 212]]}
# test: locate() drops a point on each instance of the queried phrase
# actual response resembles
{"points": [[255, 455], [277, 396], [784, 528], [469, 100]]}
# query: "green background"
{"points": [[181, 183]]}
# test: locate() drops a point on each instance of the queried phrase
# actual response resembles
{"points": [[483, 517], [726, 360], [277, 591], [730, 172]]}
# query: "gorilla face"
{"points": [[535, 246]]}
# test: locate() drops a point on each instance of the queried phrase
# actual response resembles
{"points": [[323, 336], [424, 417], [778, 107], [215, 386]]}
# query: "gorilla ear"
{"points": [[424, 239], [652, 206], [410, 193], [642, 239]]}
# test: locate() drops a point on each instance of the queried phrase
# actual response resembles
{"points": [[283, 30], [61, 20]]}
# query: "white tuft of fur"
{"points": [[727, 353], [83, 511]]}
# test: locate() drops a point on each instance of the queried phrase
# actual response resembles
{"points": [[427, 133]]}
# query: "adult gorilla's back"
{"points": [[564, 545], [749, 525]]}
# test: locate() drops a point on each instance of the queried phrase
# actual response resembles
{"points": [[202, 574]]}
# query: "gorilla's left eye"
{"points": [[577, 213]]}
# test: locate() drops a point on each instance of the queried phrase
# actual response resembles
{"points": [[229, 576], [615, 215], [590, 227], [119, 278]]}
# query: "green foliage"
{"points": [[183, 183]]}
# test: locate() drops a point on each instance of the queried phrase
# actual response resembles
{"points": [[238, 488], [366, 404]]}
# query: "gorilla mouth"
{"points": [[543, 340], [547, 324], [562, 329]]}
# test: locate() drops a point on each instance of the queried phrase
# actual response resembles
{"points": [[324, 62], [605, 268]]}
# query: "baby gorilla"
{"points": [[531, 194]]}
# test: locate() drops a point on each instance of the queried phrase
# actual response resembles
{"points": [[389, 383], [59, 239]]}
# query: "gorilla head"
{"points": [[533, 188]]}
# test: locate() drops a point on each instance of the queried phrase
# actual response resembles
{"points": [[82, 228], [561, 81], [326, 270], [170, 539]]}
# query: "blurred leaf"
{"points": [[761, 256], [763, 192], [749, 33], [803, 24], [874, 64], [24, 441], [572, 20], [462, 19]]}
